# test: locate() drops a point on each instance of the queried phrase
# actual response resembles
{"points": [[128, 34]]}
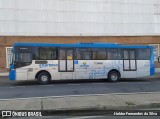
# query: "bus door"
{"points": [[66, 63], [129, 63]]}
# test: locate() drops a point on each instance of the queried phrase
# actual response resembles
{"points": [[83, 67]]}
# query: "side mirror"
{"points": [[159, 59]]}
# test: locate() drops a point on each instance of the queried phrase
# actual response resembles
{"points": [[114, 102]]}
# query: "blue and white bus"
{"points": [[46, 62]]}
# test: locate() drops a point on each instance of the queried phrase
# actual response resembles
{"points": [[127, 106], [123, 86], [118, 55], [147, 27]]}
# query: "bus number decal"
{"points": [[47, 65]]}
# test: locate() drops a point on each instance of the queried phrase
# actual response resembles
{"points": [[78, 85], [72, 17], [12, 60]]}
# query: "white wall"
{"points": [[79, 17]]}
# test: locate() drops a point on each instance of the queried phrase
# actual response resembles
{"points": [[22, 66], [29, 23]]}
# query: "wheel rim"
{"points": [[114, 77], [44, 78]]}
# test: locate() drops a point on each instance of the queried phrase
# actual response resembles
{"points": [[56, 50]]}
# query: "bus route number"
{"points": [[47, 65]]}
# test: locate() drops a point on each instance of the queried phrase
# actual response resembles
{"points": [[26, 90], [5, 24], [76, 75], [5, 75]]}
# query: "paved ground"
{"points": [[81, 95], [10, 90], [94, 102]]}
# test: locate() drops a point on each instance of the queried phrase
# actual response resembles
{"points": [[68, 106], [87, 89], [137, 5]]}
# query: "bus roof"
{"points": [[84, 45]]}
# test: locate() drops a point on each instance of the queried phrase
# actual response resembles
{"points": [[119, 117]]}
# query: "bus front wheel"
{"points": [[113, 76], [43, 78]]}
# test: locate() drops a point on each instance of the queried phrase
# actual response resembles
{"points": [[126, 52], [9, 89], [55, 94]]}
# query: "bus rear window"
{"points": [[143, 54]]}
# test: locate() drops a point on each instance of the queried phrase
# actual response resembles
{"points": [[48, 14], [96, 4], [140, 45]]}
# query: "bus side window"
{"points": [[126, 54], [112, 54], [83, 53], [87, 55], [143, 54], [47, 53], [120, 54], [76, 53], [62, 55], [99, 54], [69, 55]]}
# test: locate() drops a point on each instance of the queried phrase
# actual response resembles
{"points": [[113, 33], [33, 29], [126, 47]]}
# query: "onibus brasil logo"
{"points": [[21, 113]]}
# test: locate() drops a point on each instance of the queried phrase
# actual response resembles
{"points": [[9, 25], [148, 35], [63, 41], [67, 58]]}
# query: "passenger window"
{"points": [[126, 54], [62, 55], [70, 55], [47, 53], [143, 54], [112, 54], [83, 53], [99, 54], [132, 55]]}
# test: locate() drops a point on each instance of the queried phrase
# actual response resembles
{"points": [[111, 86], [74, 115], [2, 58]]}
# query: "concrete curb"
{"points": [[101, 102], [4, 74]]}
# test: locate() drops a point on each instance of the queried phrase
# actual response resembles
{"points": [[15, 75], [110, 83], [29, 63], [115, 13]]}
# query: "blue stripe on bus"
{"points": [[96, 45], [152, 66]]}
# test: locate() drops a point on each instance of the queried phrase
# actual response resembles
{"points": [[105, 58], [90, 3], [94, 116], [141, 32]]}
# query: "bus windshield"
{"points": [[23, 56], [12, 58]]}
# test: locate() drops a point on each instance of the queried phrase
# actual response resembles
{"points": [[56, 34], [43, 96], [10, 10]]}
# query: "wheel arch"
{"points": [[115, 71], [39, 72]]}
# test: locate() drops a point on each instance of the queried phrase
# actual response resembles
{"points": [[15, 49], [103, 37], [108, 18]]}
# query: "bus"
{"points": [[111, 61]]}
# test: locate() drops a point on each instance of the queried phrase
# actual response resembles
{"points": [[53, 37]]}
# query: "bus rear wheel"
{"points": [[43, 78], [113, 76]]}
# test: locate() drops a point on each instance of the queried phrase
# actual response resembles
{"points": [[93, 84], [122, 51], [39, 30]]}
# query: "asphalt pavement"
{"points": [[80, 95], [12, 90]]}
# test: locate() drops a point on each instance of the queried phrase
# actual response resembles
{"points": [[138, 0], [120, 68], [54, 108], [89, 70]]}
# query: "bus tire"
{"points": [[113, 76], [43, 78]]}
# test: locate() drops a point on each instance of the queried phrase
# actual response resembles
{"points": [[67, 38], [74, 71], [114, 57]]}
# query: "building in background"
{"points": [[72, 21]]}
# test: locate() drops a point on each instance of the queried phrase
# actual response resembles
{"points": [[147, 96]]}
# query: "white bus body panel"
{"points": [[96, 69], [129, 74], [66, 75], [133, 64], [129, 69], [84, 69], [126, 64], [62, 65], [70, 65], [143, 68], [51, 67], [22, 73]]}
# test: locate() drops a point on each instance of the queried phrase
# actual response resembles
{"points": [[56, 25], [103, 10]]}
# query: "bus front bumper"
{"points": [[12, 74]]}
